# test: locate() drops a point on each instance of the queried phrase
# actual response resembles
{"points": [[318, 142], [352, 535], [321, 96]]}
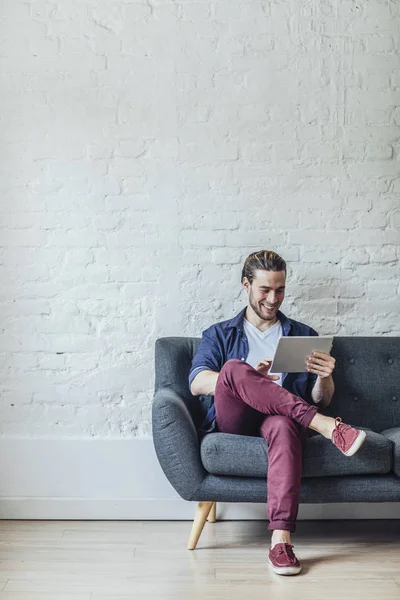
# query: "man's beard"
{"points": [[259, 314]]}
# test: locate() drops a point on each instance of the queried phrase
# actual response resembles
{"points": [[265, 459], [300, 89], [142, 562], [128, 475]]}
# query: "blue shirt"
{"points": [[226, 340]]}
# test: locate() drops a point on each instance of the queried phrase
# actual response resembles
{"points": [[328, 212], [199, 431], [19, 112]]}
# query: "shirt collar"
{"points": [[237, 322]]}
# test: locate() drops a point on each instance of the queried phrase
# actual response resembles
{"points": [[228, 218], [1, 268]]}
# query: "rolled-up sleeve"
{"points": [[209, 356]]}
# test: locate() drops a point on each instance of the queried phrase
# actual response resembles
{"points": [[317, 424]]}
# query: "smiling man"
{"points": [[232, 365]]}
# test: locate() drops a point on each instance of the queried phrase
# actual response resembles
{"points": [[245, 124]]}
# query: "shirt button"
{"points": [[242, 359], [355, 398], [394, 398], [390, 361], [352, 361]]}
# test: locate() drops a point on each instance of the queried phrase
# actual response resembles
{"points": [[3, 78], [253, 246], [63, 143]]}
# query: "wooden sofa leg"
{"points": [[212, 517], [199, 521]]}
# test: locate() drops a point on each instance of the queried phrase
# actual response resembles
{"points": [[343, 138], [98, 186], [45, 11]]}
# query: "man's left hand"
{"points": [[321, 364]]}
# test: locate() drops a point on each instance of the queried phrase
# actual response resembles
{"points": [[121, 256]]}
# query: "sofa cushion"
{"points": [[239, 455], [394, 435]]}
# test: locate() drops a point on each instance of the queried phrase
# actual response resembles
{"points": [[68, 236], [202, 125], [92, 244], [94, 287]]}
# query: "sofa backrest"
{"points": [[367, 381], [367, 378]]}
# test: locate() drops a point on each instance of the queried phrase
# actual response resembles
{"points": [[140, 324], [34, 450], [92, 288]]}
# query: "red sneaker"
{"points": [[283, 560], [347, 438]]}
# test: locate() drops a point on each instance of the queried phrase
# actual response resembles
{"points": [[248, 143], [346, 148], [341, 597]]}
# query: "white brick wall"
{"points": [[147, 148]]}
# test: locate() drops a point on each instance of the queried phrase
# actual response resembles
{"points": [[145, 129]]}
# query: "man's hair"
{"points": [[267, 260]]}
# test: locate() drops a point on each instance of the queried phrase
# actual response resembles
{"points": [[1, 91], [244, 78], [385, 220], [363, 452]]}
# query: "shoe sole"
{"points": [[285, 570], [358, 442]]}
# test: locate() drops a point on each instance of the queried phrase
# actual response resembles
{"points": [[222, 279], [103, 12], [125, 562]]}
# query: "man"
{"points": [[232, 364]]}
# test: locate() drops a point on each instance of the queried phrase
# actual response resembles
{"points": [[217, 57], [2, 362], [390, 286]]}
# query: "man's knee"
{"points": [[233, 365]]}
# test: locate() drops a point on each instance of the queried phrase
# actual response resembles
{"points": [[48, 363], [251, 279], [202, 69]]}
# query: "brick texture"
{"points": [[146, 148]]}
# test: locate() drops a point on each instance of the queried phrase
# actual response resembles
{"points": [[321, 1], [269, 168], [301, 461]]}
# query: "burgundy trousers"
{"points": [[247, 403]]}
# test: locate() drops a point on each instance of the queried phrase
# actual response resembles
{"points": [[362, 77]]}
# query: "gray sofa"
{"points": [[233, 468]]}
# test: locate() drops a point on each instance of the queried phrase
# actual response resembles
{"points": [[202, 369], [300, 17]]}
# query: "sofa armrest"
{"points": [[393, 434], [176, 443]]}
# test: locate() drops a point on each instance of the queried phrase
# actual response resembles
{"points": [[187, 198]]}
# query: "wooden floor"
{"points": [[43, 560]]}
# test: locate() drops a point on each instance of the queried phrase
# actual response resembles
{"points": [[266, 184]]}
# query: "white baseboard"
{"points": [[119, 479], [161, 509]]}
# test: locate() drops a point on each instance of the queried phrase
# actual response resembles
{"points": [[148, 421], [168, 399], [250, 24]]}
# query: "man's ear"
{"points": [[246, 284]]}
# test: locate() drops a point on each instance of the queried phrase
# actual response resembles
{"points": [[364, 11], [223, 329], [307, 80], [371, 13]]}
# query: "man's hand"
{"points": [[321, 364], [263, 366]]}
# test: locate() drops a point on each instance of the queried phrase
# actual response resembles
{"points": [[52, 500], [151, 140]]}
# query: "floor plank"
{"points": [[43, 596]]}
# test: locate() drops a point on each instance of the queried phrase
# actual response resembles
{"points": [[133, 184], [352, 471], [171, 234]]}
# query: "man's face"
{"points": [[266, 293]]}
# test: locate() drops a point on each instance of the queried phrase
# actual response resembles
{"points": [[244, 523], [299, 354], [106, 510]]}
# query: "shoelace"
{"points": [[286, 549], [337, 435]]}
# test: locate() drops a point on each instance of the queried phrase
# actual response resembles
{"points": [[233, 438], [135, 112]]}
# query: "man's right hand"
{"points": [[263, 367]]}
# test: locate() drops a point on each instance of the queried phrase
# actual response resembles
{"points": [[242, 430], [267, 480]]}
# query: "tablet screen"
{"points": [[292, 352]]}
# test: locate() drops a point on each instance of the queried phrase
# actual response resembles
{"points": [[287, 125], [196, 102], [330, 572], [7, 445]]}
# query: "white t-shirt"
{"points": [[262, 344]]}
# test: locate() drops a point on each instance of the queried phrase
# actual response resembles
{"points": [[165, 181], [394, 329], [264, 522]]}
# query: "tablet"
{"points": [[292, 352]]}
